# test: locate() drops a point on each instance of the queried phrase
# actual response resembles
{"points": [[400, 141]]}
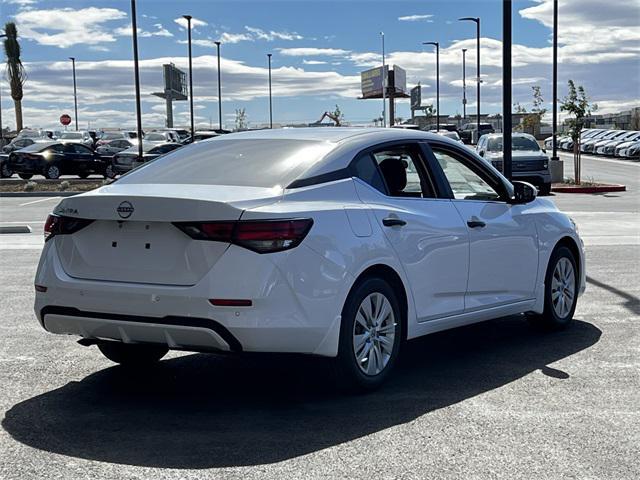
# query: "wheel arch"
{"points": [[390, 275], [571, 244]]}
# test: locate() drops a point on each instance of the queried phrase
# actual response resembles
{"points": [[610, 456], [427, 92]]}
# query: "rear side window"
{"points": [[265, 163], [367, 170]]}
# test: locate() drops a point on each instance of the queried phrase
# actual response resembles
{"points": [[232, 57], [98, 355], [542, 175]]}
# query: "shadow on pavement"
{"points": [[631, 302], [202, 411]]}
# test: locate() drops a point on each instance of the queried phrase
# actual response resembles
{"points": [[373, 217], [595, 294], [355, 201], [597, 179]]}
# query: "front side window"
{"points": [[465, 183]]}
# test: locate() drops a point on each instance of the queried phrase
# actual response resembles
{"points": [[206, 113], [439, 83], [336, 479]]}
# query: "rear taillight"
{"points": [[59, 225], [261, 236]]}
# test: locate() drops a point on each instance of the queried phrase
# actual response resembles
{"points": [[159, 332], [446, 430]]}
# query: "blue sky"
{"points": [[319, 48]]}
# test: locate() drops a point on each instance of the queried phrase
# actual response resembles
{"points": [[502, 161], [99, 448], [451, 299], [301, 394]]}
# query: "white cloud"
{"points": [[312, 51], [415, 18], [313, 62], [271, 35], [22, 3], [66, 27], [227, 37], [160, 31], [195, 22]]}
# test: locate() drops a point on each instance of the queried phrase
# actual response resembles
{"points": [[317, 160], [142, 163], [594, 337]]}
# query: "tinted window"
{"points": [[155, 137], [465, 183], [56, 149], [72, 136], [36, 147], [242, 162], [80, 148], [517, 143], [367, 170]]}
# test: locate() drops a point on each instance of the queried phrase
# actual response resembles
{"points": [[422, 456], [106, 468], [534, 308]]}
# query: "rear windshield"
{"points": [[71, 136], [111, 136], [243, 162], [37, 147], [155, 137]]}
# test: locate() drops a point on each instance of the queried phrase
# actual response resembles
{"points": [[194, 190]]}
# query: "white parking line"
{"points": [[38, 201], [605, 160]]}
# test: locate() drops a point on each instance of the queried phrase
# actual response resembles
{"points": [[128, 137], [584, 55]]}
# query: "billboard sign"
{"points": [[175, 82], [399, 79], [416, 97], [371, 82]]}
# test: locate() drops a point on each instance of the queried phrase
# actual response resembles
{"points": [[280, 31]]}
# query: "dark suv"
{"points": [[466, 132]]}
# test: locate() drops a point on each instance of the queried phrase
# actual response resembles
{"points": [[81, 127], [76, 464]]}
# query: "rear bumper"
{"points": [[26, 166], [297, 298]]}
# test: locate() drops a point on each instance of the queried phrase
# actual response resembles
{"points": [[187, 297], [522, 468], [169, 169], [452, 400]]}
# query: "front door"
{"points": [[426, 232], [503, 244]]}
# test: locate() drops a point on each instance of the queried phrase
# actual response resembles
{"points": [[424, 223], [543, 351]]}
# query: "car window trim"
{"points": [[478, 167]]}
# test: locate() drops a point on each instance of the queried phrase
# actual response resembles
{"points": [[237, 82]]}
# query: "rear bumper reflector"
{"points": [[225, 302]]}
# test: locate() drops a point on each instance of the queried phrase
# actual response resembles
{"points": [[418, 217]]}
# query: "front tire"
{"points": [[560, 291], [5, 172], [370, 336], [545, 189], [132, 354], [52, 172]]}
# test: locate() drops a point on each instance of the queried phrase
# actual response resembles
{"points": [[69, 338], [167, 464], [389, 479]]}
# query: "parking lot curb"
{"points": [[588, 188], [38, 194]]}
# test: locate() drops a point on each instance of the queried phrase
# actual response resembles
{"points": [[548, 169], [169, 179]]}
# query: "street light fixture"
{"points": [[188, 19], [219, 89], [75, 93], [437, 45], [477, 22], [270, 102], [464, 84], [384, 87], [136, 73]]}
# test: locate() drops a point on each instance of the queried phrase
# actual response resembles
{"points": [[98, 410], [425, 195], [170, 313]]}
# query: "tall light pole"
{"points": [[270, 98], [75, 92], [506, 88], [554, 155], [437, 45], [188, 19], [136, 74], [1, 128], [464, 83], [384, 87], [219, 89], [477, 21]]}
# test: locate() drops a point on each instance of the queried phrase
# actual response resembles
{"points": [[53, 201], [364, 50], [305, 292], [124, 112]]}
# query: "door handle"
{"points": [[393, 222], [476, 224]]}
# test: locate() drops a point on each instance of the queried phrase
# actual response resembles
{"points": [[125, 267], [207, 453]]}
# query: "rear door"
{"points": [[426, 232], [503, 245]]}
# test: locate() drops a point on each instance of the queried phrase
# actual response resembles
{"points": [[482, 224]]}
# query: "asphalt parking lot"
{"points": [[493, 400]]}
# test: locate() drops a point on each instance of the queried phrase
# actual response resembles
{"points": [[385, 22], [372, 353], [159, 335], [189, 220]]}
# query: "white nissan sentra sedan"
{"points": [[335, 242]]}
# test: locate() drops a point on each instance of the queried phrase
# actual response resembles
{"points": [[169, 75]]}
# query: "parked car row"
{"points": [[599, 141], [116, 153]]}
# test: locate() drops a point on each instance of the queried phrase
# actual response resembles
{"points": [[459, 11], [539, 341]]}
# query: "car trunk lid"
{"points": [[133, 239]]}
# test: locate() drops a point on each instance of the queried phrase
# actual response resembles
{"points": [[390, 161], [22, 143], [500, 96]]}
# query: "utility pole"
{"points": [[136, 73], [477, 22], [219, 89], [270, 97], [1, 128], [554, 154], [75, 92], [188, 19], [506, 89], [384, 87], [464, 84]]}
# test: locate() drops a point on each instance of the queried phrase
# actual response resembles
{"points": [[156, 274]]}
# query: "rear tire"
{"points": [[370, 336], [560, 291], [25, 176], [132, 354]]}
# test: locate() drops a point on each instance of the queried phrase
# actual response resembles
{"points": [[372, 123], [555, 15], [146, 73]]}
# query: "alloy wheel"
{"points": [[563, 287], [374, 334]]}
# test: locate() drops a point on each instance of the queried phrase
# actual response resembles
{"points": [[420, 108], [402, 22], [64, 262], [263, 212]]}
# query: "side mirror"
{"points": [[523, 192], [481, 153], [544, 150]]}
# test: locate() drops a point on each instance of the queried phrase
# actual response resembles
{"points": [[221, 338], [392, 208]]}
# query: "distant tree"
{"points": [[16, 74], [241, 119], [337, 113], [375, 121], [577, 104], [532, 121], [635, 119], [399, 120]]}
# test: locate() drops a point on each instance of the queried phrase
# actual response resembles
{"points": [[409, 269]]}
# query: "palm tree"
{"points": [[16, 74]]}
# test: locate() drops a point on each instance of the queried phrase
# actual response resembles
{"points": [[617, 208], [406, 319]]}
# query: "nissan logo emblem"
{"points": [[125, 209]]}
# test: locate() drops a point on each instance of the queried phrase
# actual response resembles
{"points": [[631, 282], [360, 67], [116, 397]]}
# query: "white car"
{"points": [[336, 242], [82, 137]]}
